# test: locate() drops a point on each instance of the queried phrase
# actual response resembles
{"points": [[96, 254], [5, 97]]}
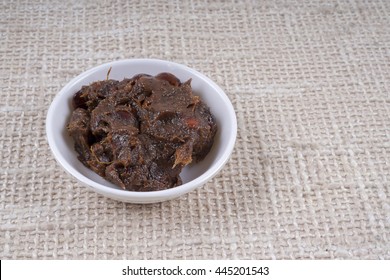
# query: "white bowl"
{"points": [[193, 176]]}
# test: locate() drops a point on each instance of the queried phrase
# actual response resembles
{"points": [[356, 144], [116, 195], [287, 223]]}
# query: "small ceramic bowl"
{"points": [[193, 175]]}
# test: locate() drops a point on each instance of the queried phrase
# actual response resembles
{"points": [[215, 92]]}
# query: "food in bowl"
{"points": [[139, 133], [193, 175]]}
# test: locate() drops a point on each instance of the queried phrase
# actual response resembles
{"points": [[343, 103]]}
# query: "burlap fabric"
{"points": [[310, 174]]}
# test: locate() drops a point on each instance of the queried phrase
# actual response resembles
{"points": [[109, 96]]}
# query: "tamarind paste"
{"points": [[139, 133]]}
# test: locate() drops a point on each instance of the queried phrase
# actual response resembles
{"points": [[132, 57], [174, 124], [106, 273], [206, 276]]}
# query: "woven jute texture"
{"points": [[309, 177]]}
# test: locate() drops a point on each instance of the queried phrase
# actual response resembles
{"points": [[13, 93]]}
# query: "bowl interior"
{"points": [[61, 108]]}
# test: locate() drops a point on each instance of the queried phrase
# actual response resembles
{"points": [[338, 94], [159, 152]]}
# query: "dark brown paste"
{"points": [[139, 133]]}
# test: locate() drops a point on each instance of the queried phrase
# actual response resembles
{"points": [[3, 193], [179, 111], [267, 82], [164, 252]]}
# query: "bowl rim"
{"points": [[150, 195]]}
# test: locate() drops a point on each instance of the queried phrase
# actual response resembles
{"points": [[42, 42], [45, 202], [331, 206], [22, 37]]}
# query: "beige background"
{"points": [[310, 174]]}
